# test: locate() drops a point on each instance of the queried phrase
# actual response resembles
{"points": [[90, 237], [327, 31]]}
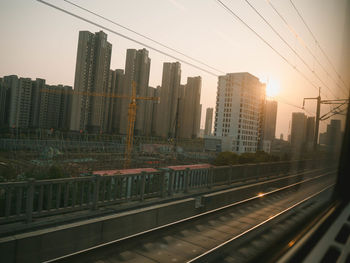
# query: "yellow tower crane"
{"points": [[131, 113]]}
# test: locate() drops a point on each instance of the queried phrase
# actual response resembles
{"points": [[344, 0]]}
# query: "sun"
{"points": [[272, 88]]}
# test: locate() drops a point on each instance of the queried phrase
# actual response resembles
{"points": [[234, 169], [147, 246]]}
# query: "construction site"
{"points": [[80, 154]]}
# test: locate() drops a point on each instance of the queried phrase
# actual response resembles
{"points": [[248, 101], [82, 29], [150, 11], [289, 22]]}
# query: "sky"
{"points": [[38, 41]]}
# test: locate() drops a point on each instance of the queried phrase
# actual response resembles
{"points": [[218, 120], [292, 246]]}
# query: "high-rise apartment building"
{"points": [[310, 132], [37, 88], [20, 102], [33, 104], [269, 125], [334, 137], [149, 111], [66, 99], [137, 69], [4, 103], [55, 107], [208, 121], [115, 86], [169, 94], [238, 114], [91, 75], [49, 108], [298, 131], [270, 116], [155, 112], [190, 108]]}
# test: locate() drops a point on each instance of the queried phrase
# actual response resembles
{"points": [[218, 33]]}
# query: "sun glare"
{"points": [[272, 88]]}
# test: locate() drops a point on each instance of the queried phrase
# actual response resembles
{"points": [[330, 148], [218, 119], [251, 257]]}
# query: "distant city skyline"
{"points": [[89, 108], [221, 42]]}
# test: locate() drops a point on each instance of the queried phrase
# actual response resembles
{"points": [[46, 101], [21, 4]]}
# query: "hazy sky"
{"points": [[38, 41]]}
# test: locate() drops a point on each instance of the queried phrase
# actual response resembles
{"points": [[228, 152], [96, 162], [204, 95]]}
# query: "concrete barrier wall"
{"points": [[54, 242]]}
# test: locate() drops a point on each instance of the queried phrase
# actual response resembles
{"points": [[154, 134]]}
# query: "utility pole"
{"points": [[318, 112], [334, 111]]}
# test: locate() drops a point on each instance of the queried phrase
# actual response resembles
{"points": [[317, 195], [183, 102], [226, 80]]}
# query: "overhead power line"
{"points": [[284, 101], [144, 36], [157, 50], [128, 38], [317, 42], [304, 44], [290, 47], [266, 42]]}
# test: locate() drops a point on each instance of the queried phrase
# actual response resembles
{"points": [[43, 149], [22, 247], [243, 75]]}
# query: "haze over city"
{"points": [[42, 42], [174, 131]]}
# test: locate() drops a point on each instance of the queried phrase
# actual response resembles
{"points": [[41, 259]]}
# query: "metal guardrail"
{"points": [[23, 201]]}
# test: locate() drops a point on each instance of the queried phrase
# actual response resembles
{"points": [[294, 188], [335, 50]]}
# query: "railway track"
{"points": [[224, 233]]}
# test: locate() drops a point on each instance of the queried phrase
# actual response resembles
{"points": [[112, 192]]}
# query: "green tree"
{"points": [[226, 158]]}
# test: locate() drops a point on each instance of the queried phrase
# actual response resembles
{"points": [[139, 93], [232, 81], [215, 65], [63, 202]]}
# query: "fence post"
{"points": [[171, 181], [163, 183], [30, 200], [187, 179], [143, 184], [96, 190], [211, 177]]}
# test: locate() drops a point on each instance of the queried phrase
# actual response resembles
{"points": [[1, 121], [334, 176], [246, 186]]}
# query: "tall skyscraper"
{"points": [[270, 116], [190, 109], [137, 68], [238, 113], [169, 94], [298, 131], [208, 121], [91, 75]]}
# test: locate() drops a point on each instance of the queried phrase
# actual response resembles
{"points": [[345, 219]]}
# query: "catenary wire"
{"points": [[317, 42], [265, 41], [304, 44], [290, 47], [144, 36], [155, 49]]}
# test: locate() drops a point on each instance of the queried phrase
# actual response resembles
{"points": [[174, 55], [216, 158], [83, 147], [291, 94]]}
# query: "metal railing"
{"points": [[30, 199]]}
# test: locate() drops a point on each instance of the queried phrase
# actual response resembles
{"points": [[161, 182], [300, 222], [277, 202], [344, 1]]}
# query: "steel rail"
{"points": [[215, 249], [201, 215]]}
